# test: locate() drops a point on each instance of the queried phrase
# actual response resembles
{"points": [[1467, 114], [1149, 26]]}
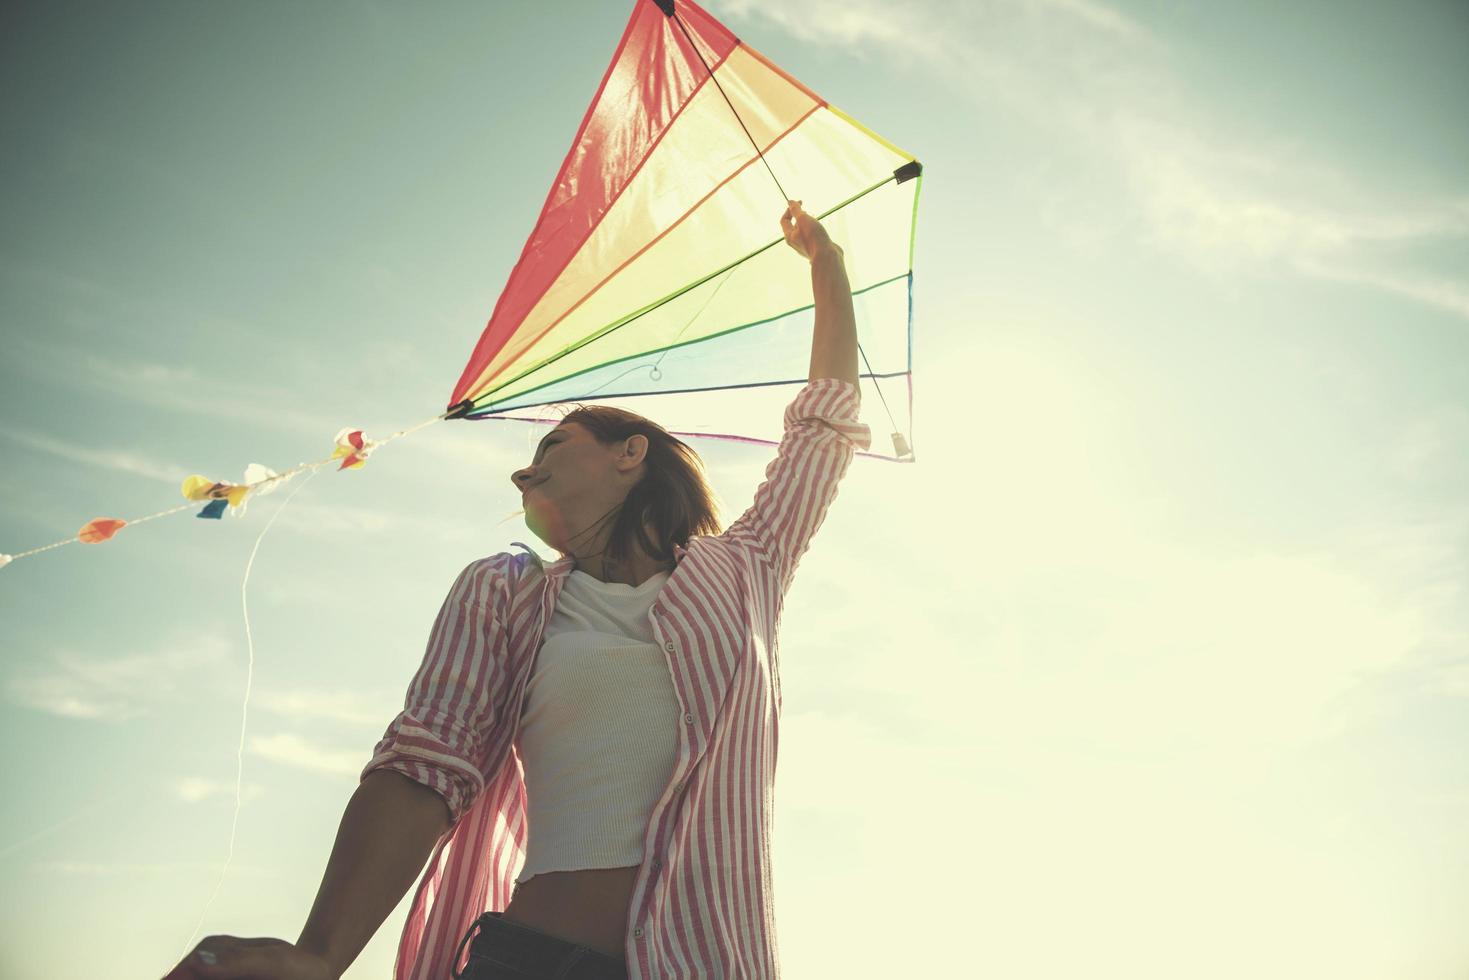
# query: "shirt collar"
{"points": [[564, 565]]}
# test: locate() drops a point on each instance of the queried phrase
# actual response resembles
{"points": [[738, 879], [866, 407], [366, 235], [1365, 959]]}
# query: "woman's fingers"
{"points": [[205, 957], [788, 227], [804, 233], [233, 958], [795, 224]]}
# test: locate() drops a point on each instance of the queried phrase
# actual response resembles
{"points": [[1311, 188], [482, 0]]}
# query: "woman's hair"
{"points": [[673, 498]]}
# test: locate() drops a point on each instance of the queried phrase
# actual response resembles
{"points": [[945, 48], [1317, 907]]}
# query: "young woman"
{"points": [[611, 716]]}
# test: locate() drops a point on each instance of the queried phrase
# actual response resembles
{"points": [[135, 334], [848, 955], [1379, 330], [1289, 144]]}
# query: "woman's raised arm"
{"points": [[834, 339]]}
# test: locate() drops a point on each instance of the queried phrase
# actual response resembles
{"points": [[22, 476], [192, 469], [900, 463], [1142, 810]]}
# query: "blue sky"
{"points": [[1154, 665]]}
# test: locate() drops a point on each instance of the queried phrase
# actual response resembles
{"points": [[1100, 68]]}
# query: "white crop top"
{"points": [[598, 729]]}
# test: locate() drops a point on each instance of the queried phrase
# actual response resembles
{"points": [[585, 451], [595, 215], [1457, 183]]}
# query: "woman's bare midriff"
{"points": [[588, 908]]}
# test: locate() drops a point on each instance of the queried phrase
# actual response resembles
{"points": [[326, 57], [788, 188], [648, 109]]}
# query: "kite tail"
{"points": [[352, 452]]}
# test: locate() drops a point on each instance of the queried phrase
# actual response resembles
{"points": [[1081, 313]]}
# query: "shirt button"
{"points": [[638, 933], [669, 646], [689, 718], [657, 863]]}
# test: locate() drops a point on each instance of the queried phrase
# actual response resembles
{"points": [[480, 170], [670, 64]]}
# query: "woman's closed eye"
{"points": [[545, 447]]}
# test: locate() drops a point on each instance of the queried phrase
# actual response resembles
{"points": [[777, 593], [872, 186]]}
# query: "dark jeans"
{"points": [[503, 950]]}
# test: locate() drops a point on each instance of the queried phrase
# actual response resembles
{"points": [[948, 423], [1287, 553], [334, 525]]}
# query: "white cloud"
{"points": [[930, 30], [117, 460], [1202, 186], [1446, 294], [301, 753], [347, 707], [114, 689], [479, 450], [185, 391], [829, 21], [1232, 200], [192, 789], [178, 388], [53, 695], [1094, 15]]}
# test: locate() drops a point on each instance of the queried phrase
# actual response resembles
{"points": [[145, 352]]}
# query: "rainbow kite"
{"points": [[657, 279], [657, 266]]}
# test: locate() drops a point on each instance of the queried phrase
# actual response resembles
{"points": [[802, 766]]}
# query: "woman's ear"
{"points": [[634, 451]]}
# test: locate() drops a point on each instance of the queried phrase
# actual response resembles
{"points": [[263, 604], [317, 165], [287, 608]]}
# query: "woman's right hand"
{"points": [[805, 234], [231, 958]]}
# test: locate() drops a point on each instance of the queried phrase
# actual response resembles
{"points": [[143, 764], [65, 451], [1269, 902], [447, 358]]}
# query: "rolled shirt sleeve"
{"points": [[438, 739], [822, 435]]}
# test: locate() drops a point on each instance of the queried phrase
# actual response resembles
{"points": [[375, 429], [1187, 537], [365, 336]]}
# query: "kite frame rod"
{"points": [[708, 337], [496, 412]]}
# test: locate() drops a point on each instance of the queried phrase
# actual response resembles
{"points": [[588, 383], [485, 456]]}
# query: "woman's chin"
{"points": [[543, 534]]}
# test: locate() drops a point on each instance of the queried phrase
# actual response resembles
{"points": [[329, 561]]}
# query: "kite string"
{"points": [[244, 711], [713, 78], [877, 387], [784, 196]]}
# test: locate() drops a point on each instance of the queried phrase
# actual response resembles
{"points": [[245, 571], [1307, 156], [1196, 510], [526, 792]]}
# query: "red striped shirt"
{"points": [[702, 905]]}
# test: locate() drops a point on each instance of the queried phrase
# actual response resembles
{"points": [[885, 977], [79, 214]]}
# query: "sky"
{"points": [[1155, 662]]}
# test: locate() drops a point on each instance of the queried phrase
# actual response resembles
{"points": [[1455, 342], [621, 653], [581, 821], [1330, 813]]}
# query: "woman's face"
{"points": [[573, 481]]}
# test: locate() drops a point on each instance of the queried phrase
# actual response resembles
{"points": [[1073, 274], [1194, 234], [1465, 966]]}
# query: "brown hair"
{"points": [[674, 497]]}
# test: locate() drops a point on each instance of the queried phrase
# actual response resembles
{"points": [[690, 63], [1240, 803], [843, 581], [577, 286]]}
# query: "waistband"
{"points": [[495, 941]]}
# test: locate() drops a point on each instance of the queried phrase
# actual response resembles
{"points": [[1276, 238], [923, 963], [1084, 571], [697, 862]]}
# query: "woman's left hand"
{"points": [[805, 234]]}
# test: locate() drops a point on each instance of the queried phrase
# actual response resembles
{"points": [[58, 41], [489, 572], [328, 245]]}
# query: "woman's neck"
{"points": [[634, 570]]}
